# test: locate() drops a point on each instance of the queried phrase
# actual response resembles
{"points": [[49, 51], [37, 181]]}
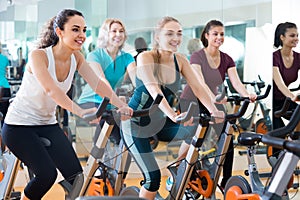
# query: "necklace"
{"points": [[288, 60], [213, 61]]}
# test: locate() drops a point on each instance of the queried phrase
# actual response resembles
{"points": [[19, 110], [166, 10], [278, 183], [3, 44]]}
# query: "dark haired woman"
{"points": [[286, 64], [31, 115], [213, 65]]}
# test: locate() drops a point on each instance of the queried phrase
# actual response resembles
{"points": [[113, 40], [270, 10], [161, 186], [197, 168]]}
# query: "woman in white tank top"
{"points": [[47, 78]]}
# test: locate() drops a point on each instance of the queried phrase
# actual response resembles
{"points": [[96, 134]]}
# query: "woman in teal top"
{"points": [[4, 84], [111, 63]]}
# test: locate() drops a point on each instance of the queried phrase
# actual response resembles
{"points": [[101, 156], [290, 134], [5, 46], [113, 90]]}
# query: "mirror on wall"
{"points": [[248, 32], [248, 25]]}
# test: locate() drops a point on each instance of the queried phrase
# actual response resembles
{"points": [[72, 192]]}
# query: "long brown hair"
{"points": [[48, 36], [281, 29], [208, 26]]}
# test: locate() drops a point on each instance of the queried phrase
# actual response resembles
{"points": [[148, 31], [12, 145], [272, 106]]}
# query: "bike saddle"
{"points": [[249, 138]]}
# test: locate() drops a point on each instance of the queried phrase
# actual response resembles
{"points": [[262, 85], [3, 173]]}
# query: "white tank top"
{"points": [[32, 106]]}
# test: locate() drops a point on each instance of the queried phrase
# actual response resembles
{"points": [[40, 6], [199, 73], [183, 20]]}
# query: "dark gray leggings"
{"points": [[25, 143], [136, 138]]}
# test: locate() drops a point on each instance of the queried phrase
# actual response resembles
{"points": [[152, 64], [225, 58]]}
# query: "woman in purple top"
{"points": [[286, 64], [212, 64]]}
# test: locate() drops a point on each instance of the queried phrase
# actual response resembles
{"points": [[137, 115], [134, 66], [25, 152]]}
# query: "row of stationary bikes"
{"points": [[196, 176]]}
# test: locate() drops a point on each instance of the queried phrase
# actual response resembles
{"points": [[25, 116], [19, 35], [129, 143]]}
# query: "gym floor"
{"points": [[240, 164]]}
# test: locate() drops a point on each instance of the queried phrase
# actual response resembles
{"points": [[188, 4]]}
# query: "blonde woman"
{"points": [[110, 63], [158, 72]]}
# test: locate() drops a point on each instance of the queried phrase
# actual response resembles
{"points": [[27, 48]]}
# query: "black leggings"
{"points": [[25, 143]]}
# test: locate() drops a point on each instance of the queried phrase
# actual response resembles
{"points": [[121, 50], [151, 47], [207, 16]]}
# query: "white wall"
{"points": [[145, 13]]}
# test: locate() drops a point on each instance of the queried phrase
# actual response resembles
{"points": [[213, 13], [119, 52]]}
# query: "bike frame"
{"points": [[285, 165]]}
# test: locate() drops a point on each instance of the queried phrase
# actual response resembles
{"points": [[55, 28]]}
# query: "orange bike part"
{"points": [[99, 188], [236, 193], [197, 186], [1, 175], [269, 151], [261, 128]]}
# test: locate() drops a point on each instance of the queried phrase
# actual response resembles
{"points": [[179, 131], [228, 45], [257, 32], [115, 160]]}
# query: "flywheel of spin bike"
{"points": [[202, 183], [261, 127], [101, 185]]}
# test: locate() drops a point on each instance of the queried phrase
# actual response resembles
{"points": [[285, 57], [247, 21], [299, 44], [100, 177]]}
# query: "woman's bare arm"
{"points": [[145, 72], [280, 84]]}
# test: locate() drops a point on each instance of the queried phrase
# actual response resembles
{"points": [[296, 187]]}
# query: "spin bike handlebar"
{"points": [[150, 110], [259, 97], [204, 117], [284, 110], [290, 145], [189, 113], [289, 128], [236, 98], [260, 84], [250, 138], [101, 110], [240, 113], [272, 139]]}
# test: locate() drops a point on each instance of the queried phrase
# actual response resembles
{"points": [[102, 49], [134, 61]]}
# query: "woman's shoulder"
{"points": [[276, 52], [146, 55], [97, 52], [38, 54], [198, 56], [224, 54], [125, 54], [38, 51], [79, 57], [199, 52], [296, 53], [180, 56]]}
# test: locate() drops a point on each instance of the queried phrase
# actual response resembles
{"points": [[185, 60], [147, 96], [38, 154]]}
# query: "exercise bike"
{"points": [[190, 183], [11, 164], [209, 173], [238, 187], [110, 182], [264, 123], [184, 172]]}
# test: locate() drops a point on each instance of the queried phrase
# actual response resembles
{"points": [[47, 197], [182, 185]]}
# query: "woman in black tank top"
{"points": [[158, 72]]}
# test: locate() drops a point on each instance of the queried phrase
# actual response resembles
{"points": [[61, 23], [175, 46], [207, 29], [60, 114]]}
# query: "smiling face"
{"points": [[116, 35], [170, 36], [215, 36], [290, 38], [74, 33]]}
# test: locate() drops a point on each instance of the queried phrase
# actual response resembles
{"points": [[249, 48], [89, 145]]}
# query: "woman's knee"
{"points": [[47, 175], [152, 182]]}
